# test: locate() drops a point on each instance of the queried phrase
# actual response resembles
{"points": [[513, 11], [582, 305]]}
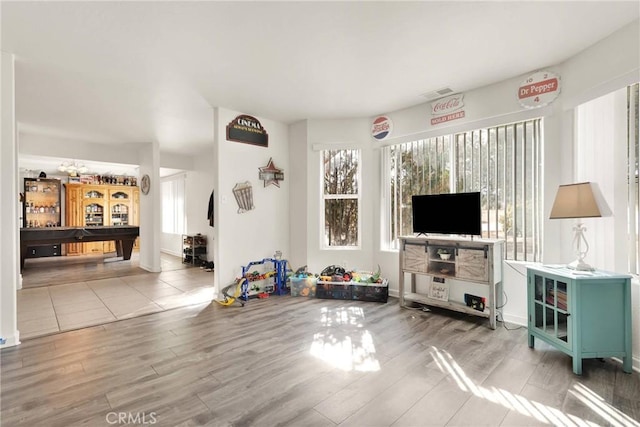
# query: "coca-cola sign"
{"points": [[447, 105]]}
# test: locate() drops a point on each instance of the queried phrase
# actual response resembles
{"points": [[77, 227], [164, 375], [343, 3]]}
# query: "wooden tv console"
{"points": [[471, 261]]}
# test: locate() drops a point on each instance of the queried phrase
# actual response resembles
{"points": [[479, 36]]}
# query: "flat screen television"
{"points": [[455, 213]]}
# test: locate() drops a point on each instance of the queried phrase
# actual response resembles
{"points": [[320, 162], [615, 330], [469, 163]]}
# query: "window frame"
{"points": [[527, 134], [179, 180], [324, 245]]}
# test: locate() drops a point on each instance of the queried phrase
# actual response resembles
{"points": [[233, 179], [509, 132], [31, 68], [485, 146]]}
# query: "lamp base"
{"points": [[580, 266]]}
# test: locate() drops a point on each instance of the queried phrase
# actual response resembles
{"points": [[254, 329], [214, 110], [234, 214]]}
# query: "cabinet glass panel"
{"points": [[539, 316], [550, 303], [41, 207], [549, 292], [93, 194], [561, 295], [119, 195], [539, 292], [550, 322], [119, 214], [562, 327], [93, 215]]}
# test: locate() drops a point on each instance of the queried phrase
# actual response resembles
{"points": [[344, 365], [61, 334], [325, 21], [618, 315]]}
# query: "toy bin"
{"points": [[333, 290], [303, 286], [374, 292]]}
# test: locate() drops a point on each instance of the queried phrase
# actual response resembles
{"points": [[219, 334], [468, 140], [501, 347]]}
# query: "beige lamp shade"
{"points": [[575, 201]]}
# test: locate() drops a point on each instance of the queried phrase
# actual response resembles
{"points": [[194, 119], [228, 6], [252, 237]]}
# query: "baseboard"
{"points": [[11, 341], [170, 252], [149, 268], [517, 320]]}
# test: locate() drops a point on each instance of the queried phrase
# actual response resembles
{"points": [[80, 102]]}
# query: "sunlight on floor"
{"points": [[348, 349], [613, 416], [539, 411]]}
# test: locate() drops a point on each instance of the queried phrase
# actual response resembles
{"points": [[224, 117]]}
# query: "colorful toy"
{"points": [[239, 287]]}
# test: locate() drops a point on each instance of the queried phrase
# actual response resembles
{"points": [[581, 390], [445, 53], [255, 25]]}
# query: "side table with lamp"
{"points": [[584, 312]]}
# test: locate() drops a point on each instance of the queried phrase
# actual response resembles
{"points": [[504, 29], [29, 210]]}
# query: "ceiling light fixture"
{"points": [[72, 168]]}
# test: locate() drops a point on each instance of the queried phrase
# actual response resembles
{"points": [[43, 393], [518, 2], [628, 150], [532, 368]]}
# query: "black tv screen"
{"points": [[456, 213]]}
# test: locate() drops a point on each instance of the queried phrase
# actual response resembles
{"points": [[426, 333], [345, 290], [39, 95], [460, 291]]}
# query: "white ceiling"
{"points": [[114, 72]]}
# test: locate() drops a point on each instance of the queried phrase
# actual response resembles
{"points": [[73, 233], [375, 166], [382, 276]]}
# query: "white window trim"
{"points": [[320, 148], [388, 244], [182, 179]]}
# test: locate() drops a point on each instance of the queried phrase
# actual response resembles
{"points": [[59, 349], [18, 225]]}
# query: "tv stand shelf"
{"points": [[450, 305], [471, 262]]}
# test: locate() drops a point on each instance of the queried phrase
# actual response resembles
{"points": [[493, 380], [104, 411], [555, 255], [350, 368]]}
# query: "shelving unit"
{"points": [[583, 314], [119, 207], [272, 281], [193, 248], [41, 209], [89, 205], [471, 261], [94, 204]]}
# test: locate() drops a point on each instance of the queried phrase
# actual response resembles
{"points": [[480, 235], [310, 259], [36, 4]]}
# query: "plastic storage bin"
{"points": [[360, 291], [375, 292], [303, 286]]}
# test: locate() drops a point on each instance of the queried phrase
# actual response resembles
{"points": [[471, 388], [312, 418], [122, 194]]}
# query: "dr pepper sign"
{"points": [[539, 89]]}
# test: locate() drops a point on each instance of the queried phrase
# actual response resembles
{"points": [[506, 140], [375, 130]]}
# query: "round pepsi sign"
{"points": [[381, 127]]}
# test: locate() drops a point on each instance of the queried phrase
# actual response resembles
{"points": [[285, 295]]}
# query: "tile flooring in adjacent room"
{"points": [[49, 309]]}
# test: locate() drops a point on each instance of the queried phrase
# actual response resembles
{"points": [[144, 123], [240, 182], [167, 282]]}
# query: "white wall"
{"points": [[199, 186], [258, 233], [48, 146], [150, 208], [298, 182], [602, 68], [9, 189], [329, 134]]}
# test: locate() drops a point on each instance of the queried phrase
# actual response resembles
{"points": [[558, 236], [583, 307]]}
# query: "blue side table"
{"points": [[584, 314]]}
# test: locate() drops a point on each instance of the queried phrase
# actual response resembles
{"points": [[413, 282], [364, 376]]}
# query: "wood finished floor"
{"points": [[306, 362]]}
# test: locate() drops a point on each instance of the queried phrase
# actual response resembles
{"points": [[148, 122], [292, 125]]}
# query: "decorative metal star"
{"points": [[271, 174]]}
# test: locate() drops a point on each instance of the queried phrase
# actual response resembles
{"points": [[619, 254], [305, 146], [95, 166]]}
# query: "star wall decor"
{"points": [[270, 174]]}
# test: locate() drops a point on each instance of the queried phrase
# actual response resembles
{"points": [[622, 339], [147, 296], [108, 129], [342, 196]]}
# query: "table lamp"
{"points": [[577, 201]]}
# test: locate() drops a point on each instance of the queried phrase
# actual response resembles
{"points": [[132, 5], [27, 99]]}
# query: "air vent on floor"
{"points": [[435, 94]]}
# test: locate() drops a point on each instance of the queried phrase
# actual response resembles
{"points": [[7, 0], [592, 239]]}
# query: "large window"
{"points": [[173, 205], [341, 198], [502, 163], [606, 153]]}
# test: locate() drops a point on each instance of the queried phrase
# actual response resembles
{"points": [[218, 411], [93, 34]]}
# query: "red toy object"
{"points": [[263, 295]]}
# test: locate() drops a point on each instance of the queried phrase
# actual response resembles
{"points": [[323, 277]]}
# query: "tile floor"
{"points": [[51, 309]]}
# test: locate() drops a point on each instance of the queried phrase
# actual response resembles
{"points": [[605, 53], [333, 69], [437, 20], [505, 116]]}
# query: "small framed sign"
{"points": [[439, 289], [247, 129], [447, 109], [539, 89], [271, 174], [381, 127]]}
